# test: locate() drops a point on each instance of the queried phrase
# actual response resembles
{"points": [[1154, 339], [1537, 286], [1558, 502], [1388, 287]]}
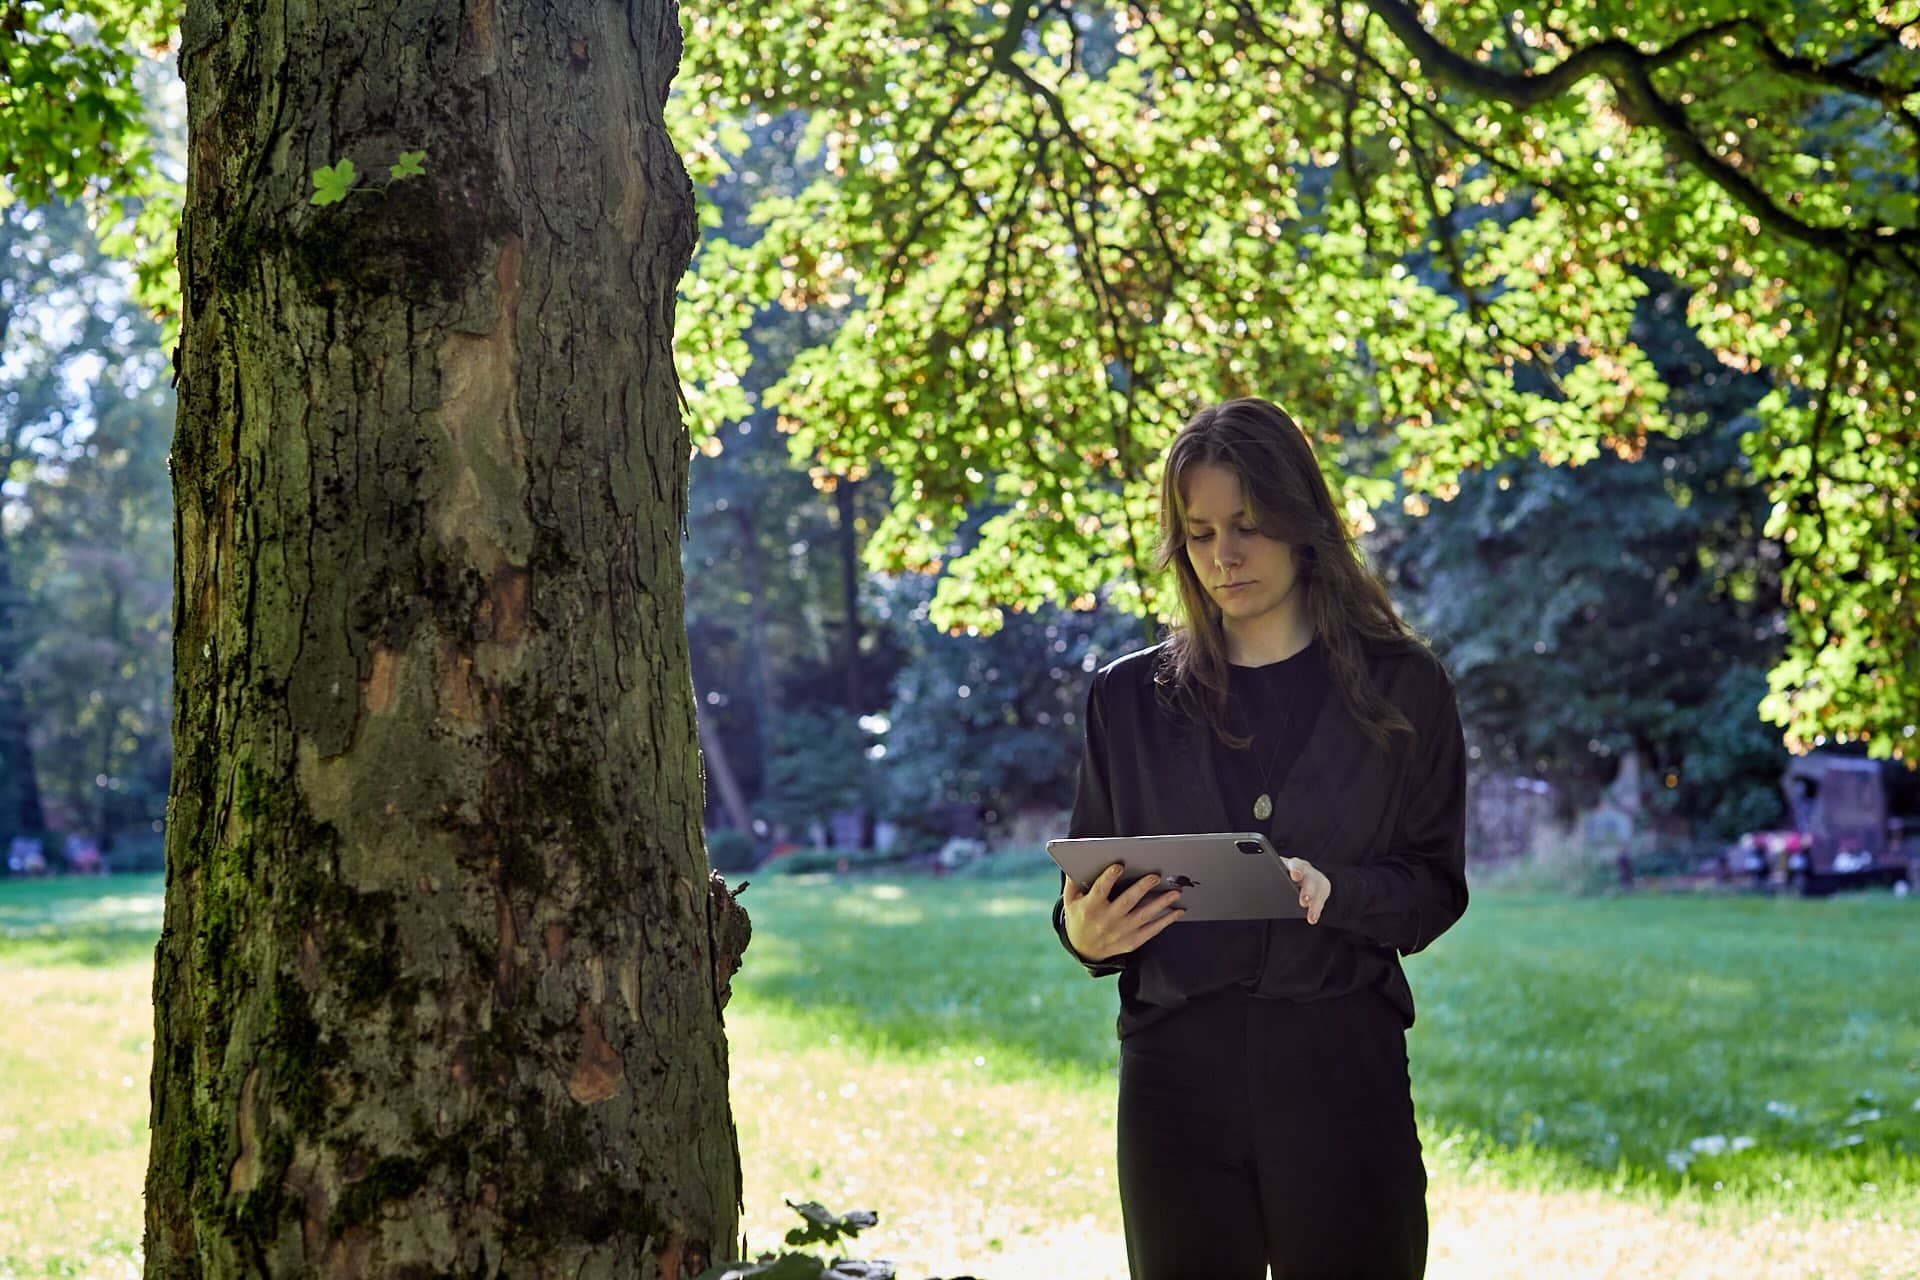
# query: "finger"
{"points": [[1070, 890], [1293, 868], [1153, 928], [1151, 904], [1105, 880], [1136, 891]]}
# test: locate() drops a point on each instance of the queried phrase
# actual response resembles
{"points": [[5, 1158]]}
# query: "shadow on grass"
{"points": [[1762, 1045], [91, 921]]}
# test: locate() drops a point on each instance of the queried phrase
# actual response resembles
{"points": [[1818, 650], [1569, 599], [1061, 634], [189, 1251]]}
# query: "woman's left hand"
{"points": [[1315, 888]]}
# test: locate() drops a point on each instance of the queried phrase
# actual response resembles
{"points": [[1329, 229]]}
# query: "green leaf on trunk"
{"points": [[331, 183]]}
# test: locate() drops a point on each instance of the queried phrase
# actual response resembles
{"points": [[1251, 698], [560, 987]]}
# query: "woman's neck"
{"points": [[1271, 637]]}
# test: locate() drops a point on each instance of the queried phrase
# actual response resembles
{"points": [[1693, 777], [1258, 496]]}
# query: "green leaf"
{"points": [[331, 183], [826, 1227], [407, 166]]}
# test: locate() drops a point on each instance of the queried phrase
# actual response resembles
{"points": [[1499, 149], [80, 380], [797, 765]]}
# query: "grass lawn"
{"points": [[1660, 1086]]}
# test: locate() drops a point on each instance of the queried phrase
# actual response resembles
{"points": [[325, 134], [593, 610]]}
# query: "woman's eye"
{"points": [[1198, 537]]}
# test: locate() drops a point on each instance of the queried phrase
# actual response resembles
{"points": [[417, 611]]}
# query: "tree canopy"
{"points": [[76, 124], [1047, 230], [1050, 230]]}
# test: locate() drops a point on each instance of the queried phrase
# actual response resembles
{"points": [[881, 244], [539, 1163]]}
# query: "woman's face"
{"points": [[1248, 574]]}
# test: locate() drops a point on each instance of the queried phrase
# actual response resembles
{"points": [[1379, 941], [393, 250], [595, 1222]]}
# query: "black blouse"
{"points": [[1276, 704], [1386, 828]]}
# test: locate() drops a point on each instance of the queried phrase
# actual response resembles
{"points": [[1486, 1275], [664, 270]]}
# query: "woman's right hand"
{"points": [[1101, 926]]}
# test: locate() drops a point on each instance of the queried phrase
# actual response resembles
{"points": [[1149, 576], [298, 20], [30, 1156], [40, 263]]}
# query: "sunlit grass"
{"points": [[1586, 1072], [76, 1031]]}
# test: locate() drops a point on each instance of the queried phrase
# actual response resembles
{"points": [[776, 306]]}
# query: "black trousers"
{"points": [[1271, 1133]]}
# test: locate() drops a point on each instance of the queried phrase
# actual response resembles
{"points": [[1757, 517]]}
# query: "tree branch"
{"points": [[1629, 70], [1824, 414]]}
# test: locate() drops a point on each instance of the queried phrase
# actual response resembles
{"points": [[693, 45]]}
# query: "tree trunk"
{"points": [[440, 984], [20, 808], [753, 570], [721, 769], [846, 505], [106, 817]]}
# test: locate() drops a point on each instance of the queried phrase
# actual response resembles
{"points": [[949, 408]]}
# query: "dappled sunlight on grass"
{"points": [[963, 1163], [73, 1103], [1648, 1041], [1585, 1072], [80, 920], [1629, 1033]]}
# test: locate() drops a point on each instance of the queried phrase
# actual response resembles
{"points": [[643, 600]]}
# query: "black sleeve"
{"points": [[1414, 894], [1092, 813]]}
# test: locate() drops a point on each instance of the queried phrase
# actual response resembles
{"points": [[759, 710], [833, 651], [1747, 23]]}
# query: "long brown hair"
{"points": [[1288, 500]]}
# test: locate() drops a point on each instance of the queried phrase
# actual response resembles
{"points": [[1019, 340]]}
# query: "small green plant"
{"points": [[821, 1227], [729, 849], [335, 182]]}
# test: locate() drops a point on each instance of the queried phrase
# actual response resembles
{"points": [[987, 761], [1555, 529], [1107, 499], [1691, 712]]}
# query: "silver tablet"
{"points": [[1227, 875]]}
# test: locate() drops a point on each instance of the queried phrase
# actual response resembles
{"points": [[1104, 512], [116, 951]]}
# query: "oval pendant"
{"points": [[1263, 807]]}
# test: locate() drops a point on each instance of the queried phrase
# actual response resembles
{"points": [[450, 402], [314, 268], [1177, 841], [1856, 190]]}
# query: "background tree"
{"points": [[88, 538], [98, 671], [1055, 229], [989, 724], [77, 126], [43, 295], [1618, 606]]}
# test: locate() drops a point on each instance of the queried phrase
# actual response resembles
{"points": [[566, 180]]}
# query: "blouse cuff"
{"points": [[1350, 898], [1094, 968]]}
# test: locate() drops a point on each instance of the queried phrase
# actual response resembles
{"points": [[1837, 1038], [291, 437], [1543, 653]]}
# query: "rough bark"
{"points": [[440, 984]]}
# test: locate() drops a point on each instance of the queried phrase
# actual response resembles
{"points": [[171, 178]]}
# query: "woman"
{"points": [[1265, 1115]]}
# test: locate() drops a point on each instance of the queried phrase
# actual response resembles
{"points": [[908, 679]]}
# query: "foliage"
{"points": [[765, 609], [1590, 611], [1730, 768], [78, 83], [802, 862], [1008, 864], [824, 1227], [71, 115], [1560, 863], [989, 722], [729, 849], [85, 525], [1047, 233], [819, 765], [766, 556], [334, 182]]}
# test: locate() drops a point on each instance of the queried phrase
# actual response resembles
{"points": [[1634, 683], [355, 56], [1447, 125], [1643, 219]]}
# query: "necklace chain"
{"points": [[1263, 803]]}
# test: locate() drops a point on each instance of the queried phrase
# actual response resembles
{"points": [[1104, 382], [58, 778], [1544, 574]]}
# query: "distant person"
{"points": [[25, 858], [83, 856], [1265, 1114]]}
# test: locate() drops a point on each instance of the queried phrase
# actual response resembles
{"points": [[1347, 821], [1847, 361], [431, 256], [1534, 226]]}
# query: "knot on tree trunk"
{"points": [[730, 930]]}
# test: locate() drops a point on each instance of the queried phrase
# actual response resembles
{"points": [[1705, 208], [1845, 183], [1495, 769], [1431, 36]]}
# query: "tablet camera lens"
{"points": [[1247, 846]]}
